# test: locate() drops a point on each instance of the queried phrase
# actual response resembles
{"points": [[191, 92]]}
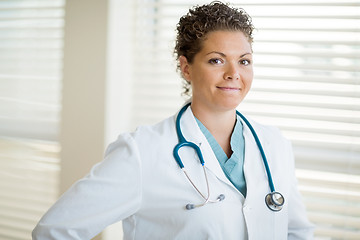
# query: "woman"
{"points": [[140, 182]]}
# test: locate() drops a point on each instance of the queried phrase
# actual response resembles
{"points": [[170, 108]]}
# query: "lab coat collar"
{"points": [[193, 133]]}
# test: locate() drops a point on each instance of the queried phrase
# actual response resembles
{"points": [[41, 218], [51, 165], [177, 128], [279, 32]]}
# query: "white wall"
{"points": [[118, 109], [96, 86], [83, 103], [119, 68]]}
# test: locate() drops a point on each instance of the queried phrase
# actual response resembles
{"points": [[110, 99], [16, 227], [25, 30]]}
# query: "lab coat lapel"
{"points": [[257, 186], [192, 133], [254, 169]]}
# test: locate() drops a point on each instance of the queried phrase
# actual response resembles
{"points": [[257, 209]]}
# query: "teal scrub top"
{"points": [[233, 167]]}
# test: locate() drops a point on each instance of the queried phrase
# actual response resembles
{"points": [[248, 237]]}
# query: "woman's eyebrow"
{"points": [[249, 53], [220, 53], [224, 55]]}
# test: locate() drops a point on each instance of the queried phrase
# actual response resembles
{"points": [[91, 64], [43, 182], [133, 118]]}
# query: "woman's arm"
{"points": [[109, 193]]}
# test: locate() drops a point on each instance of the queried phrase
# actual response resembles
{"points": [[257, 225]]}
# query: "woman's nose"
{"points": [[232, 72]]}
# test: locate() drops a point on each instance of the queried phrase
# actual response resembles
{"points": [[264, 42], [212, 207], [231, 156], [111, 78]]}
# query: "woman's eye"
{"points": [[245, 62], [215, 61]]}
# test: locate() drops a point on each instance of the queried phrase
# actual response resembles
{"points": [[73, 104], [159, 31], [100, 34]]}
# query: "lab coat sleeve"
{"points": [[109, 193], [299, 227]]}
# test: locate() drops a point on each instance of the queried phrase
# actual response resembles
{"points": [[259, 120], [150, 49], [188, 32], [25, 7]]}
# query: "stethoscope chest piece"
{"points": [[274, 201]]}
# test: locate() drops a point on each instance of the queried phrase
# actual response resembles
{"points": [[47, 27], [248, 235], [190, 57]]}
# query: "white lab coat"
{"points": [[140, 183]]}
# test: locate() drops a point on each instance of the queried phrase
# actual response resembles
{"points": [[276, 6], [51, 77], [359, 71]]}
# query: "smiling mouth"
{"points": [[229, 88]]}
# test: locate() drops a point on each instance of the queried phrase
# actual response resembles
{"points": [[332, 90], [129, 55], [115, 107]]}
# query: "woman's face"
{"points": [[221, 73]]}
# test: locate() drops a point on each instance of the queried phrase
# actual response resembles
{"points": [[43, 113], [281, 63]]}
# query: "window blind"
{"points": [[31, 34], [307, 82]]}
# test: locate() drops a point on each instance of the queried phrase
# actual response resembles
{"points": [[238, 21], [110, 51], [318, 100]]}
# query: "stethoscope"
{"points": [[274, 200]]}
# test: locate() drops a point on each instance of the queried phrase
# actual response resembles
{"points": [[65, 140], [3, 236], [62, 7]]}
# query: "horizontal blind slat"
{"points": [[31, 42]]}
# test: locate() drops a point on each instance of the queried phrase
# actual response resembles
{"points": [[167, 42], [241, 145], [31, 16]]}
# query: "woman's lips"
{"points": [[229, 88]]}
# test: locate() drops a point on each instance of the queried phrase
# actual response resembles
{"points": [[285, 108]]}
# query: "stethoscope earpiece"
{"points": [[191, 206], [221, 197], [274, 201]]}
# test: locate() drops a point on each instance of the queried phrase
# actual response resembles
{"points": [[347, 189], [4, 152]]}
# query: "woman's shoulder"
{"points": [[145, 134], [267, 131], [159, 129]]}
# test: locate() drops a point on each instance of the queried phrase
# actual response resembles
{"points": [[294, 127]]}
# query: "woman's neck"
{"points": [[219, 123]]}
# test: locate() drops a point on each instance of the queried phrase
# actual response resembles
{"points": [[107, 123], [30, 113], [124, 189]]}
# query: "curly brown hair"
{"points": [[193, 28]]}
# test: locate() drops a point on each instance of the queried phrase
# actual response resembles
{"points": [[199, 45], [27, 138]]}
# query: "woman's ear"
{"points": [[185, 68]]}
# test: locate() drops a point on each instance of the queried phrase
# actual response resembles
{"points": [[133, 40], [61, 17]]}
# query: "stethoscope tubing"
{"points": [[258, 143], [274, 200], [183, 142]]}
